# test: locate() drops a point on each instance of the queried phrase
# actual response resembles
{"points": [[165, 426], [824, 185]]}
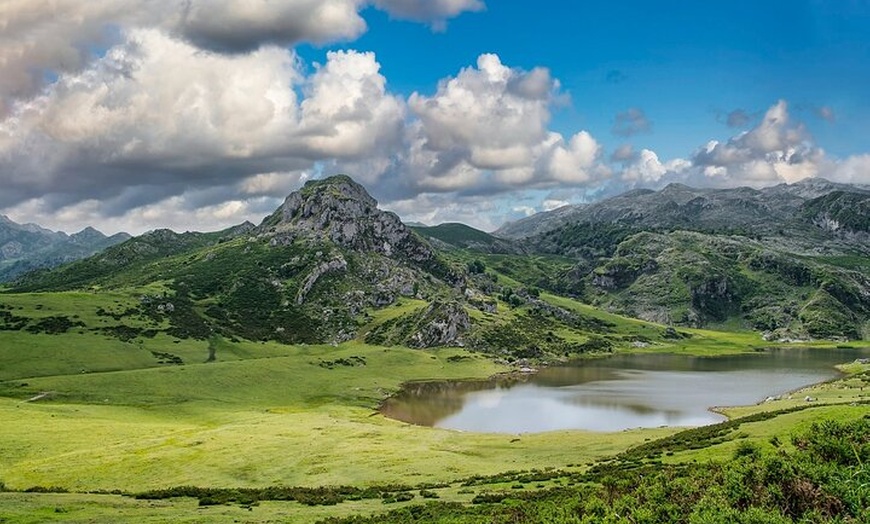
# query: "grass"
{"points": [[86, 411], [82, 507], [280, 420], [27, 508]]}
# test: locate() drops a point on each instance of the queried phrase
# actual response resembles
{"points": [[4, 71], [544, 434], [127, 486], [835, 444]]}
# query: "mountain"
{"points": [[453, 235], [329, 266], [696, 279], [26, 247], [792, 261], [677, 206], [311, 272]]}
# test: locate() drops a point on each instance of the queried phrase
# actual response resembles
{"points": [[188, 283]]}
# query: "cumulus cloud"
{"points": [[40, 39], [157, 119], [199, 114], [853, 170], [489, 126], [481, 212], [647, 169], [222, 119], [630, 122], [776, 150], [347, 112]]}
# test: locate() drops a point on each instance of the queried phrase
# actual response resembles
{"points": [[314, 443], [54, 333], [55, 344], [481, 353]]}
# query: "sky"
{"points": [[132, 115]]}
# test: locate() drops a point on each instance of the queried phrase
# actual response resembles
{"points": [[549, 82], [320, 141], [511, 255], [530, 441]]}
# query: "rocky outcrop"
{"points": [[442, 324], [340, 211], [336, 264]]}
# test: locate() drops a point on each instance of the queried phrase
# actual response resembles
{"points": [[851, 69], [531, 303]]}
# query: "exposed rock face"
{"points": [[334, 265], [339, 210], [11, 250], [441, 325], [352, 257]]}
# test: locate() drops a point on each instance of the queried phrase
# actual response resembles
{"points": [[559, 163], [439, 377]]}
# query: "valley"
{"points": [[202, 370]]}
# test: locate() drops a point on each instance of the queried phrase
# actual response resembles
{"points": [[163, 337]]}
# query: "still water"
{"points": [[616, 393]]}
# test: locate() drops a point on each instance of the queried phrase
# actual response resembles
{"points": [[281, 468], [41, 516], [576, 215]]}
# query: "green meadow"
{"points": [[91, 413]]}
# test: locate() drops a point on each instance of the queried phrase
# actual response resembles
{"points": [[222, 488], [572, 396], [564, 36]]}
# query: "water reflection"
{"points": [[624, 391]]}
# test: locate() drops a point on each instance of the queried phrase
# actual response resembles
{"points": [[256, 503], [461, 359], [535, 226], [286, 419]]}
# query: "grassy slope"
{"points": [[29, 507], [262, 414], [251, 422]]}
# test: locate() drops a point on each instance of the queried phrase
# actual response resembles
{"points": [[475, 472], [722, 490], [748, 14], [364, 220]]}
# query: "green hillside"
{"points": [[454, 235], [237, 375]]}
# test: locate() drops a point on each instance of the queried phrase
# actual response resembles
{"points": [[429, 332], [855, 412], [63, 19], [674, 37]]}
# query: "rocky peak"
{"points": [[339, 210], [86, 235]]}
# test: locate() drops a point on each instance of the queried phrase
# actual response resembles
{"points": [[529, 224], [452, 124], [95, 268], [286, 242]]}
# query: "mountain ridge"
{"points": [[327, 262], [679, 205], [27, 247]]}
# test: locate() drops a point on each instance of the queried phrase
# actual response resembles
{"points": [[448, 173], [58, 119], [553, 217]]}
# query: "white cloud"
{"points": [[525, 211], [198, 114], [174, 212], [774, 151], [777, 150], [478, 112], [576, 162], [488, 127], [481, 212], [275, 184], [347, 113], [647, 168], [222, 119], [40, 39], [549, 205], [854, 170], [153, 110]]}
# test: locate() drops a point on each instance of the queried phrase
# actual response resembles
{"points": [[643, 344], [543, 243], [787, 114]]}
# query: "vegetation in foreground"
{"points": [[823, 479]]}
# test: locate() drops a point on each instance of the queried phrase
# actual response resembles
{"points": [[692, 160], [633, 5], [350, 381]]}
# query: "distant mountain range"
{"points": [[791, 261], [801, 206], [25, 247]]}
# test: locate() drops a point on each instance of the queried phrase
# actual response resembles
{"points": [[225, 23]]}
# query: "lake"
{"points": [[616, 393]]}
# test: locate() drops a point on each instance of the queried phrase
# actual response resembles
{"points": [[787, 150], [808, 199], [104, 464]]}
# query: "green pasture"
{"points": [[88, 412]]}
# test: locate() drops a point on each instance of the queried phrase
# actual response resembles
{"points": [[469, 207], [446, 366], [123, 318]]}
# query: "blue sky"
{"points": [[686, 64], [134, 114]]}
